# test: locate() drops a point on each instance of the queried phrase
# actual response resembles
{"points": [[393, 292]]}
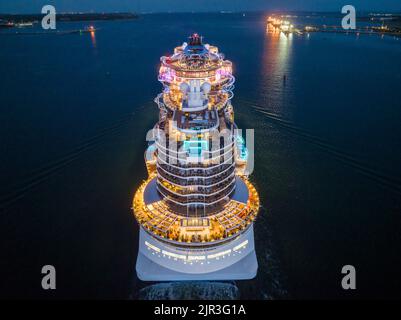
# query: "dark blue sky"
{"points": [[32, 6]]}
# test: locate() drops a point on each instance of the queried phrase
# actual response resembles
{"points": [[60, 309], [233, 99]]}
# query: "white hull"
{"points": [[159, 261]]}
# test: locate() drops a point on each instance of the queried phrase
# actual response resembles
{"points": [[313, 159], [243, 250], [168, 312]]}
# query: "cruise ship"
{"points": [[197, 207]]}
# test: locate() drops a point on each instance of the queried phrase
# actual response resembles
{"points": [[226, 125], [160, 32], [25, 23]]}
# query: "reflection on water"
{"points": [[93, 38], [276, 69]]}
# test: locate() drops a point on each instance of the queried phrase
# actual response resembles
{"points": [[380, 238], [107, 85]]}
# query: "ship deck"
{"points": [[154, 214], [202, 120]]}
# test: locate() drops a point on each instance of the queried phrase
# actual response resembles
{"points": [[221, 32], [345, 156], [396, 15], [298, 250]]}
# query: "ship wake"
{"points": [[190, 290], [42, 174], [390, 183]]}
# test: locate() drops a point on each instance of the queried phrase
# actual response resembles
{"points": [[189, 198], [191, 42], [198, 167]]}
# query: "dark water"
{"points": [[74, 113]]}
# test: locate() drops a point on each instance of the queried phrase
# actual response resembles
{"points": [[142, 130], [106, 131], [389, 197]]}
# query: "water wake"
{"points": [[40, 175], [190, 290], [346, 158]]}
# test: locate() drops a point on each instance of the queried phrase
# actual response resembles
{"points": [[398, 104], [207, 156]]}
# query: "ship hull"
{"points": [[157, 260]]}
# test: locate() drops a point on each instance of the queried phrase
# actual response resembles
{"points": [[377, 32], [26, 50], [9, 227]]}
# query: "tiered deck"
{"points": [[157, 218]]}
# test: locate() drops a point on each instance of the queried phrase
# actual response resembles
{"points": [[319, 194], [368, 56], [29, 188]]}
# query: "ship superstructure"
{"points": [[197, 207]]}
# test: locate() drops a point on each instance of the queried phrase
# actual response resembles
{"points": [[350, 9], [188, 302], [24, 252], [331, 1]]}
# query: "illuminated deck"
{"points": [[155, 217]]}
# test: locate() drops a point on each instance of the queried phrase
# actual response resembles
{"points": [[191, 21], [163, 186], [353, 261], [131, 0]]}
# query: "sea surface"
{"points": [[74, 111]]}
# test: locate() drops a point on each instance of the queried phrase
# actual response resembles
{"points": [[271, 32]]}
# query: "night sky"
{"points": [[34, 6]]}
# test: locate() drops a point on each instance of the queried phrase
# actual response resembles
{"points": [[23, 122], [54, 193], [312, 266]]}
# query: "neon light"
{"points": [[196, 144], [242, 149]]}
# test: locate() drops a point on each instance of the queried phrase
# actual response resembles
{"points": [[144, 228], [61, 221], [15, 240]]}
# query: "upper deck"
{"points": [[194, 56], [196, 121]]}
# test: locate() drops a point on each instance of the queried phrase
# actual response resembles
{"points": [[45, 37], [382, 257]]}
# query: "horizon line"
{"points": [[392, 11]]}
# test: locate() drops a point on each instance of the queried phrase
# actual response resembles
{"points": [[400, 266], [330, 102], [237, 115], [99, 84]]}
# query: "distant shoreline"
{"points": [[69, 17]]}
